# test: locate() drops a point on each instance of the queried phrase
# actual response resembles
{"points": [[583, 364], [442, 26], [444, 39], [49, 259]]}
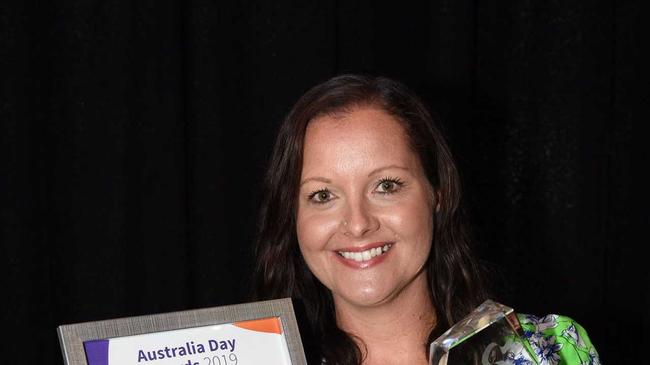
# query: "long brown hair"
{"points": [[455, 281]]}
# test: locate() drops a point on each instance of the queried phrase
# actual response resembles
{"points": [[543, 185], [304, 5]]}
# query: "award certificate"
{"points": [[244, 334]]}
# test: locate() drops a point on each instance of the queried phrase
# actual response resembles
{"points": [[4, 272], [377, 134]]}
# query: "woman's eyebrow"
{"points": [[375, 171], [380, 169], [316, 178]]}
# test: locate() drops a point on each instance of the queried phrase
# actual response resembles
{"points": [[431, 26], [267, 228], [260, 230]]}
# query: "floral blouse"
{"points": [[553, 339]]}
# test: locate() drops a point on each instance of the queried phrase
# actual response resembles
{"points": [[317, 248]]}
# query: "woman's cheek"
{"points": [[315, 229], [315, 233], [409, 219]]}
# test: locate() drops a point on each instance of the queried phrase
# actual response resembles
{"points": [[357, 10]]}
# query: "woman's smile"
{"points": [[364, 256]]}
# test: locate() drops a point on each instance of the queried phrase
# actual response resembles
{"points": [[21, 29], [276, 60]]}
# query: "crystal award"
{"points": [[484, 337]]}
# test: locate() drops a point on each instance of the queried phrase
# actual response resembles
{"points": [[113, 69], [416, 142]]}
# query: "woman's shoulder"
{"points": [[557, 340]]}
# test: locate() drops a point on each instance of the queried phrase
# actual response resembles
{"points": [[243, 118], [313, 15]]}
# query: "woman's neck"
{"points": [[395, 331]]}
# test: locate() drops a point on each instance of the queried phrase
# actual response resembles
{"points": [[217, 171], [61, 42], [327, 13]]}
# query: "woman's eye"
{"points": [[321, 196], [387, 186]]}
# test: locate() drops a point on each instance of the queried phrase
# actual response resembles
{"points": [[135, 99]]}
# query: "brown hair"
{"points": [[454, 278]]}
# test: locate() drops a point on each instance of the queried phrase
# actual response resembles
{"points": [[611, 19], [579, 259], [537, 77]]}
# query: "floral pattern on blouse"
{"points": [[553, 340], [548, 340]]}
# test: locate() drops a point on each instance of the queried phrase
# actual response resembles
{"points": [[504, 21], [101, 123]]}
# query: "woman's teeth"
{"points": [[365, 255]]}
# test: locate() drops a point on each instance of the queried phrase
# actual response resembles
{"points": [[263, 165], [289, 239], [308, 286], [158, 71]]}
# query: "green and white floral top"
{"points": [[548, 340], [553, 340]]}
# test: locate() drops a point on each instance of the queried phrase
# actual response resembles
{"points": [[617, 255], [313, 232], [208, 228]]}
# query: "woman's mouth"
{"points": [[366, 255]]}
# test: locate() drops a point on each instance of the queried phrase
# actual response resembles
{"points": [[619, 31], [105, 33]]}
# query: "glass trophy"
{"points": [[485, 337]]}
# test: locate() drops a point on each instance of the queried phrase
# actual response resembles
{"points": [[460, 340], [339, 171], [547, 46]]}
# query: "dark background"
{"points": [[134, 136]]}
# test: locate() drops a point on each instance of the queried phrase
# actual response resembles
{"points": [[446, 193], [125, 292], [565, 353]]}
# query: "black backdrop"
{"points": [[134, 136]]}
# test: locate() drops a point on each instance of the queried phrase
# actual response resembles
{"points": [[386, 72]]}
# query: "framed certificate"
{"points": [[243, 334]]}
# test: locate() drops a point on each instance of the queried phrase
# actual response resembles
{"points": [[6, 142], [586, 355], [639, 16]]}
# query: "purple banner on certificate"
{"points": [[96, 352]]}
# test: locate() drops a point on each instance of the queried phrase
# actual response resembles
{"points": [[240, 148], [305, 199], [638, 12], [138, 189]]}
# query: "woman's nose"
{"points": [[359, 219]]}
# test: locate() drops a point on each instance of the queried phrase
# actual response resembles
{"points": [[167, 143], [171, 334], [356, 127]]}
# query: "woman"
{"points": [[361, 222]]}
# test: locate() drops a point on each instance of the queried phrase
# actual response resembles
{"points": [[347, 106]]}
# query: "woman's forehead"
{"points": [[355, 123], [359, 140]]}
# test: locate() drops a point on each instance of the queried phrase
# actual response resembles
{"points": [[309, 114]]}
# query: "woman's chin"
{"points": [[368, 298], [376, 292]]}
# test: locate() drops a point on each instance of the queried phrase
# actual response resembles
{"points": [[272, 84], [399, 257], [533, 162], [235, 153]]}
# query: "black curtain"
{"points": [[134, 136]]}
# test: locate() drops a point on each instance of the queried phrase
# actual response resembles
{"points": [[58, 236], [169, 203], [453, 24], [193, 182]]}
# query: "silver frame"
{"points": [[72, 336]]}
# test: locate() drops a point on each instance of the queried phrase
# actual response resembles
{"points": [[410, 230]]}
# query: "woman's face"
{"points": [[364, 220]]}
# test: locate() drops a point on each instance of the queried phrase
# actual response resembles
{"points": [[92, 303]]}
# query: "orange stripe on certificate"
{"points": [[268, 325]]}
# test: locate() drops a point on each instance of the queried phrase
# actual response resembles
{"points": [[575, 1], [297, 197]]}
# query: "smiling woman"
{"points": [[369, 239], [364, 219], [361, 222]]}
